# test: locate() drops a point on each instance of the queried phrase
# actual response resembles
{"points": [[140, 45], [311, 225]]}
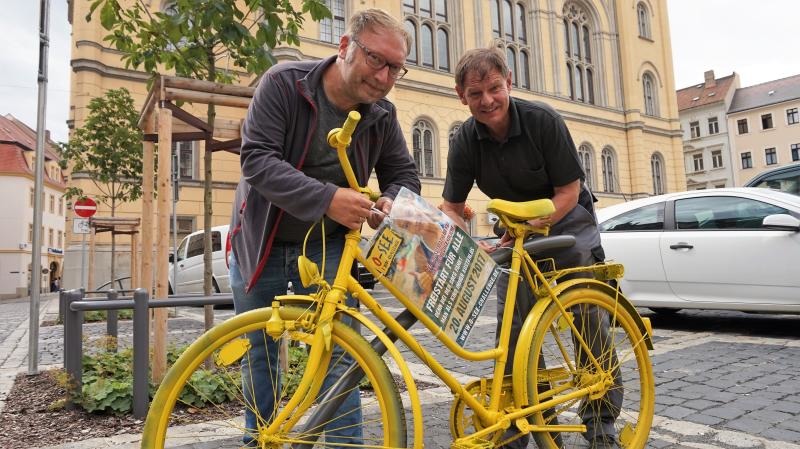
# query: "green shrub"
{"points": [[108, 383]]}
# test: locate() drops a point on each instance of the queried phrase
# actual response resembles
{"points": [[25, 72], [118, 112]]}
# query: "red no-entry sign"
{"points": [[85, 207]]}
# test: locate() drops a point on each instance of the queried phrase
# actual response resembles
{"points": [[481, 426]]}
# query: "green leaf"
{"points": [[108, 15]]}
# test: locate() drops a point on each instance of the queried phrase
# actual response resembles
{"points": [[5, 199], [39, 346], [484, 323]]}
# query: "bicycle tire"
{"points": [[383, 414], [631, 393]]}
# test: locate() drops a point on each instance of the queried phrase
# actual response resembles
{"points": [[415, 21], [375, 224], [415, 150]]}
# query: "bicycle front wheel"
{"points": [[607, 359], [192, 389]]}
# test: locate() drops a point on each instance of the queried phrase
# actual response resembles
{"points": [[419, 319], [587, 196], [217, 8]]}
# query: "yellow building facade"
{"points": [[605, 66]]}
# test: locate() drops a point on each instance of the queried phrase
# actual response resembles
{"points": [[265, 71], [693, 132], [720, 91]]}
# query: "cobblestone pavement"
{"points": [[724, 380]]}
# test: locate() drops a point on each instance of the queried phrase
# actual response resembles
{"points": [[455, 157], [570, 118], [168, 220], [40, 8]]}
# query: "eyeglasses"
{"points": [[378, 62]]}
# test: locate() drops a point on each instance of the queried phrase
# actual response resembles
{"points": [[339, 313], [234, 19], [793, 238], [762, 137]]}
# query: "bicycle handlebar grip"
{"points": [[348, 128]]}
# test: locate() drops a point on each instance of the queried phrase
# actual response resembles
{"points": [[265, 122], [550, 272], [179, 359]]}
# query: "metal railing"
{"points": [[73, 304]]}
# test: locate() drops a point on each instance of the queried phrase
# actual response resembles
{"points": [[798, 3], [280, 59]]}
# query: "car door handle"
{"points": [[681, 246]]}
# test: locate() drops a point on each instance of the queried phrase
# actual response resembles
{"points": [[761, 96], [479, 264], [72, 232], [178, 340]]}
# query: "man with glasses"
{"points": [[291, 178]]}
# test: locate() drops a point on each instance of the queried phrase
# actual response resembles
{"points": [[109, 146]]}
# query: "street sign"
{"points": [[85, 207], [80, 226]]}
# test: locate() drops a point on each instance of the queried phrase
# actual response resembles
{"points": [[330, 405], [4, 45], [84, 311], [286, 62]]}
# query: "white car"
{"points": [[734, 248], [190, 263]]}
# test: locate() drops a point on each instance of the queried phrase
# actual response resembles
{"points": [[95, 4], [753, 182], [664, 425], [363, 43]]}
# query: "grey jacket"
{"points": [[277, 133]]}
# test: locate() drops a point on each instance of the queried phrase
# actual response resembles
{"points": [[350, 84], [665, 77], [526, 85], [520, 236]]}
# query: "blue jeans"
{"points": [[260, 377]]}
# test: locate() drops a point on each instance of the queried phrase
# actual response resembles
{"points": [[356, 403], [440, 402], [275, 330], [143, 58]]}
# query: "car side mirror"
{"points": [[781, 222]]}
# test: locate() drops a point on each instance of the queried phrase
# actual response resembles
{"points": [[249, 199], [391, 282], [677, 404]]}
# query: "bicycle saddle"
{"points": [[503, 255], [522, 211]]}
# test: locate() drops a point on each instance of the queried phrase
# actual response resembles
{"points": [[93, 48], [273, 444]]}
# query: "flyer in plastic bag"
{"points": [[433, 262]]}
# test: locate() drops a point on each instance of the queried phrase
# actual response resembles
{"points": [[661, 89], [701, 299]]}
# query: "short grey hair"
{"points": [[374, 19]]}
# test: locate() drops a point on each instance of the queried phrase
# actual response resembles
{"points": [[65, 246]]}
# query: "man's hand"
{"points": [[349, 208], [375, 218]]}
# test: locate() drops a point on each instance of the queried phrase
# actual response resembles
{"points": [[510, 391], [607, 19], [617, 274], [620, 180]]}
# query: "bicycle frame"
{"points": [[331, 301]]}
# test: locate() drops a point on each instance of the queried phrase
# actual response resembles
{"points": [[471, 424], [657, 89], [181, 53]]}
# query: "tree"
{"points": [[108, 150], [192, 37]]}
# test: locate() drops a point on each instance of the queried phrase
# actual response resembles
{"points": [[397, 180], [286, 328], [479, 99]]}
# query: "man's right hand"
{"points": [[349, 208]]}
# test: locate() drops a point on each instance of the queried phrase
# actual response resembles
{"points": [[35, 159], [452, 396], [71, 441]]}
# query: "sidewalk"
{"points": [[14, 330]]}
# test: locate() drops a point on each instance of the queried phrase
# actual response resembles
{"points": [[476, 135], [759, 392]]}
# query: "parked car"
{"points": [[735, 248], [189, 259], [785, 178]]}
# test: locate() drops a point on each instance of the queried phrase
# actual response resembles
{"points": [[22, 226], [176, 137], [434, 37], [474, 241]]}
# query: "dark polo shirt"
{"points": [[538, 154]]}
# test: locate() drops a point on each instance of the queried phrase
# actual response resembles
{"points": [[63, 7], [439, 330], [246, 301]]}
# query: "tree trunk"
{"points": [[207, 201]]}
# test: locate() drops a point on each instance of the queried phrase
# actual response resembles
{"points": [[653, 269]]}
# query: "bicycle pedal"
{"points": [[471, 443]]}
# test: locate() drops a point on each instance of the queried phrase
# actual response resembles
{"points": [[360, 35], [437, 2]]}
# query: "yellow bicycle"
{"points": [[563, 369]]}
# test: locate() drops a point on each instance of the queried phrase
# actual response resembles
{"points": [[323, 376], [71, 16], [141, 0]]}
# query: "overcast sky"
{"points": [[756, 40]]}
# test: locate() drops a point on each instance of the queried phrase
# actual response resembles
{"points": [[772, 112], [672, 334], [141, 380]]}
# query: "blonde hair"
{"points": [[481, 61], [373, 19]]}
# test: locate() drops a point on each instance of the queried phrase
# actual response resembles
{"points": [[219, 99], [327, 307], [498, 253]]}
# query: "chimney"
{"points": [[710, 80], [47, 135]]}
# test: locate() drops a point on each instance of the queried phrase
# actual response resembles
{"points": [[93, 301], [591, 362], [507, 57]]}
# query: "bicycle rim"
{"points": [[626, 373], [382, 422]]}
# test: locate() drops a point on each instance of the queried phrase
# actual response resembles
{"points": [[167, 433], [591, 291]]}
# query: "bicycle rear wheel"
{"points": [[188, 380], [622, 406]]}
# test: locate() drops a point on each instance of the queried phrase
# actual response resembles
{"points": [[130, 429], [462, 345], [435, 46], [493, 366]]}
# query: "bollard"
{"points": [[73, 345], [62, 307], [141, 352], [112, 322]]}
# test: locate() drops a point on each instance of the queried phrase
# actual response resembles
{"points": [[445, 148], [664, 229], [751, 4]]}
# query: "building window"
{"points": [[741, 125], [61, 206], [185, 227], [186, 159], [770, 156], [747, 160], [609, 170], [510, 27], [697, 159], [585, 155], [30, 233], [694, 127], [644, 21], [650, 98], [766, 121], [31, 198], [60, 239], [578, 45], [423, 20], [52, 204], [422, 138], [332, 28], [716, 159], [792, 116], [795, 148], [50, 237], [657, 166], [713, 126]]}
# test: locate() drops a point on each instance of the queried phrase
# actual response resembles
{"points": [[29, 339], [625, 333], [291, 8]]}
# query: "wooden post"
{"points": [[134, 259], [90, 264], [148, 164], [162, 246]]}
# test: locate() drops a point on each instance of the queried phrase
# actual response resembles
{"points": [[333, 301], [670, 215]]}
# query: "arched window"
{"points": [[578, 50], [510, 24], [423, 20], [332, 28], [650, 96], [609, 170], [657, 166], [422, 139], [453, 130], [586, 157], [644, 21]]}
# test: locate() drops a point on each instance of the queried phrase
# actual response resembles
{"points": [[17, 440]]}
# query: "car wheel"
{"points": [[664, 310]]}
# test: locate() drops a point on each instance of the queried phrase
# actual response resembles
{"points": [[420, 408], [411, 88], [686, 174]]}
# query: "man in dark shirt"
{"points": [[520, 150]]}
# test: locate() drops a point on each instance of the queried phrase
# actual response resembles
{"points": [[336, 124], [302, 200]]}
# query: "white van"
{"points": [[189, 259]]}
